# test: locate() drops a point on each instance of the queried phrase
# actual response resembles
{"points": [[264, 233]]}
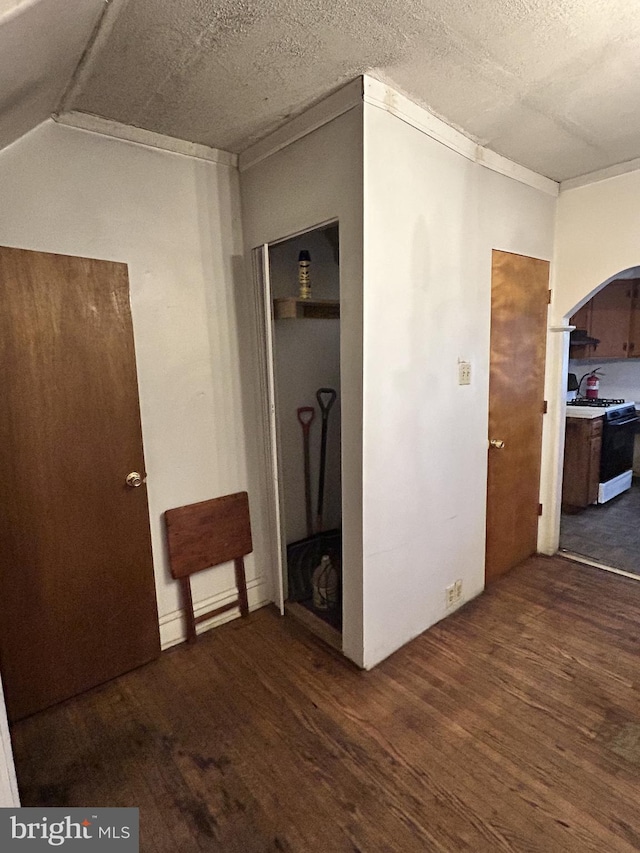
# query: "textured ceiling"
{"points": [[551, 84]]}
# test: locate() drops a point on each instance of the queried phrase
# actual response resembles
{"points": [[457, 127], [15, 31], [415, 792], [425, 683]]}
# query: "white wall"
{"points": [[176, 222], [619, 378], [314, 180], [8, 783], [307, 356], [432, 218], [596, 238]]}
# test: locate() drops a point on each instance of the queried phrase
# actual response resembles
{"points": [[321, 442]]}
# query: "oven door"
{"points": [[617, 447]]}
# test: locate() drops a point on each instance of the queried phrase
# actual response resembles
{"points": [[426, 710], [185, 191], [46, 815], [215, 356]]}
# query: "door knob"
{"points": [[498, 443], [134, 479]]}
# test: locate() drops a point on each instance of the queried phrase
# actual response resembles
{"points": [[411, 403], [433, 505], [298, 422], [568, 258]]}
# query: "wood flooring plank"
{"points": [[512, 726], [387, 743]]}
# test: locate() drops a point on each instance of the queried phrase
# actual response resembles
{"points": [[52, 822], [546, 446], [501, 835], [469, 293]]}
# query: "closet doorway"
{"points": [[301, 310]]}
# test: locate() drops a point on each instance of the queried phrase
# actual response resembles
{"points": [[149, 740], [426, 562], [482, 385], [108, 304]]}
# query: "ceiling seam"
{"points": [[383, 97], [98, 37], [600, 175], [139, 136]]}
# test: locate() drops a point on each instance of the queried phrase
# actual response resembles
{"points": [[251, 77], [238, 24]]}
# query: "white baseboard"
{"points": [[172, 628]]}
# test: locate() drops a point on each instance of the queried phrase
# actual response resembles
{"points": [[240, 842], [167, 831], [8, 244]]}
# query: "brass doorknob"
{"points": [[498, 443], [134, 479]]}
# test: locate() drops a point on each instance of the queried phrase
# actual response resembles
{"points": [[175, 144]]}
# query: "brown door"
{"points": [[519, 304], [77, 597]]}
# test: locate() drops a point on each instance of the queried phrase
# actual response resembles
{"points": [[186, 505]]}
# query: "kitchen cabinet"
{"points": [[634, 332], [613, 317], [583, 445]]}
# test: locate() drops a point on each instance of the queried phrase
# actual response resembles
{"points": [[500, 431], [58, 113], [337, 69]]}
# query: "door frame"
{"points": [[553, 434], [9, 794], [271, 455], [263, 302]]}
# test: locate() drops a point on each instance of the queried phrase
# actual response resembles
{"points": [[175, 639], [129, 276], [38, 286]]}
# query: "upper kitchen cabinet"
{"points": [[633, 350], [612, 317]]}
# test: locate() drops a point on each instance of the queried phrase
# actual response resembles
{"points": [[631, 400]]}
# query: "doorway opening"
{"points": [[301, 309], [601, 471]]}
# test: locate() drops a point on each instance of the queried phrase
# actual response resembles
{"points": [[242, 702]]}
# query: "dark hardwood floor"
{"points": [[512, 726]]}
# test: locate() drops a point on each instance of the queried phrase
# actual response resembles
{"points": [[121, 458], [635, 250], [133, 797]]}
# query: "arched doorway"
{"points": [[601, 472]]}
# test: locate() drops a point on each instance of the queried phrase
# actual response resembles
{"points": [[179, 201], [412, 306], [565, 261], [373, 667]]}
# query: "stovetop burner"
{"points": [[598, 402]]}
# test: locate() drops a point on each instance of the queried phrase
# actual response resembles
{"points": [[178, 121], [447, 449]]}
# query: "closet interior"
{"points": [[304, 274]]}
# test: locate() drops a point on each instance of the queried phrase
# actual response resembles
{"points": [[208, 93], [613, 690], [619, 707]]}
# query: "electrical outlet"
{"points": [[453, 593], [464, 373]]}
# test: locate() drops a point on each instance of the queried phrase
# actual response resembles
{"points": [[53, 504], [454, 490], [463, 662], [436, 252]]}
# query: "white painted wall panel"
{"points": [[619, 378], [431, 219], [176, 222], [41, 44], [596, 237], [316, 179]]}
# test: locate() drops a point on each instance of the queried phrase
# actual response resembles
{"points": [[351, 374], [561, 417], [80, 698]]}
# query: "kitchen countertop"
{"points": [[592, 412], [585, 412]]}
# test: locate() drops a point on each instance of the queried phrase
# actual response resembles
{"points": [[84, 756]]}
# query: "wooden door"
{"points": [[611, 319], [519, 305], [77, 596]]}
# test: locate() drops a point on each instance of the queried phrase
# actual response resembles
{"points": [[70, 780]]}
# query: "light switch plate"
{"points": [[464, 373]]}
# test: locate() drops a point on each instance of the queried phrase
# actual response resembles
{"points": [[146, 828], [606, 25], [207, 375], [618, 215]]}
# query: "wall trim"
{"points": [[138, 136], [16, 11], [497, 163], [368, 90], [383, 97], [600, 175], [322, 113], [172, 630], [577, 558]]}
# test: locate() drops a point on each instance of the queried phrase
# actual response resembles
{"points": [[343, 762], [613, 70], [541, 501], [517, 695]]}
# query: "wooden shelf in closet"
{"points": [[294, 308]]}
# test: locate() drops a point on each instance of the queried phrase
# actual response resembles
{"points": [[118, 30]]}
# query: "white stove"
{"points": [[619, 421]]}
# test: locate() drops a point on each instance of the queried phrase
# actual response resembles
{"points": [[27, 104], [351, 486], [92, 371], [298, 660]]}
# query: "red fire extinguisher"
{"points": [[593, 385]]}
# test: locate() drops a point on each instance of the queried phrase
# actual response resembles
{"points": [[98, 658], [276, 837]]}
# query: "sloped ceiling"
{"points": [[41, 43], [551, 84]]}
